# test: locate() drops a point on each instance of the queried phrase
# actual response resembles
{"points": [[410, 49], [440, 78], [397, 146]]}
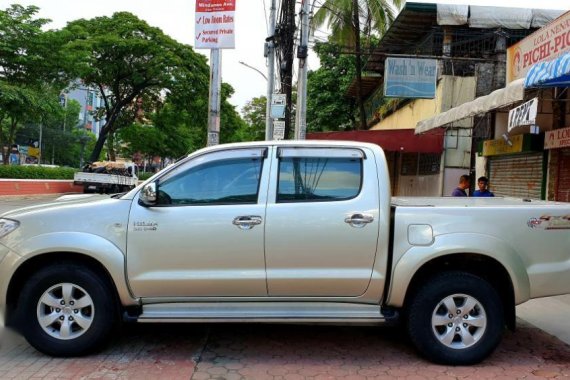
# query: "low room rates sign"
{"points": [[215, 24]]}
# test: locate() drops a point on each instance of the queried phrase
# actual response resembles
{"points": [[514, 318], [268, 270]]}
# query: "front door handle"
{"points": [[359, 220], [246, 222]]}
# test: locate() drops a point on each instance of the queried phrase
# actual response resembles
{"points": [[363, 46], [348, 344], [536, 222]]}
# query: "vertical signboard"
{"points": [[215, 26], [410, 77]]}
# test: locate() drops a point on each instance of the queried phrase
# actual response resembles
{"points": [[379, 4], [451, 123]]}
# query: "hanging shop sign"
{"points": [[215, 24], [525, 143], [558, 138], [499, 147], [410, 77], [545, 44], [525, 114]]}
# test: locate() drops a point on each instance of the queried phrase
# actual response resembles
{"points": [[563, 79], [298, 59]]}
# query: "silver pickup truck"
{"points": [[294, 232]]}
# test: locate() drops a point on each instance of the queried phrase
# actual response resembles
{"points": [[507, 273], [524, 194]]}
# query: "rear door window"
{"points": [[308, 177]]}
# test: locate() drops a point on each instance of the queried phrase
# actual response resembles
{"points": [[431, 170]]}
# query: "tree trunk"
{"points": [[358, 65], [2, 142], [98, 146], [110, 146]]}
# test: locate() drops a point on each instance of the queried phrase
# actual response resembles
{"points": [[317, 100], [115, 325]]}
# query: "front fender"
{"points": [[94, 246], [414, 258]]}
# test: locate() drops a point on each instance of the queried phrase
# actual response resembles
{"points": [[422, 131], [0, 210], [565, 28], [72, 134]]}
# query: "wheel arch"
{"points": [[479, 265], [32, 265], [93, 251], [488, 258]]}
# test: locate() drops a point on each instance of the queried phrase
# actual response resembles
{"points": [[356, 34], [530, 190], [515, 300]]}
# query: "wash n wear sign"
{"points": [[410, 77], [215, 27]]}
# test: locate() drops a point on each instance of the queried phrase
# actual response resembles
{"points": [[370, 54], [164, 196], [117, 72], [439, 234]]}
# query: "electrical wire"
{"points": [[265, 14]]}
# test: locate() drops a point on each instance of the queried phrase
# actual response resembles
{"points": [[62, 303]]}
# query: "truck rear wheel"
{"points": [[456, 318], [67, 310]]}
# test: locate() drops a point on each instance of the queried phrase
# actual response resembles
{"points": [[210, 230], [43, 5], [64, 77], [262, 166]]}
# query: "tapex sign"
{"points": [[525, 114], [410, 77]]}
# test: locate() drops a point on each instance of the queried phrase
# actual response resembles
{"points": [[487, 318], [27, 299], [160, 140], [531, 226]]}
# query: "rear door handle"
{"points": [[359, 220], [246, 222]]}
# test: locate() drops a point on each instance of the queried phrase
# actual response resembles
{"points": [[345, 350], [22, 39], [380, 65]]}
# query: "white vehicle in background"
{"points": [[107, 177]]}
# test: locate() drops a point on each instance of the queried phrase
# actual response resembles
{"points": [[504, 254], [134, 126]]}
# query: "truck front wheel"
{"points": [[66, 310], [456, 318]]}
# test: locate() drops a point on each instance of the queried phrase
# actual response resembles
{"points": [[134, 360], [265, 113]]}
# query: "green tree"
{"points": [[348, 20], [30, 74], [254, 113], [60, 137], [177, 128], [126, 59], [327, 108]]}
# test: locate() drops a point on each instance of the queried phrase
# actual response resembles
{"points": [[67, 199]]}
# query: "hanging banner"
{"points": [[525, 114], [410, 77], [215, 25]]}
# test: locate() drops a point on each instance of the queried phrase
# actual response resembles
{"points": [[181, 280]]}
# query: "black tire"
{"points": [[429, 321], [77, 339]]}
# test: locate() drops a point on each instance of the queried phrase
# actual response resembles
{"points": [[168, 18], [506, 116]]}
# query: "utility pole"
{"points": [[214, 103], [302, 53], [285, 35], [270, 43]]}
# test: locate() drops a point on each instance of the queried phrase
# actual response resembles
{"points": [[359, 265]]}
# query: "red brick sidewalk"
{"points": [[285, 353]]}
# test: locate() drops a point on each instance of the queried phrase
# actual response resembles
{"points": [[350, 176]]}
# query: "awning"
{"points": [[395, 140], [514, 92], [555, 73]]}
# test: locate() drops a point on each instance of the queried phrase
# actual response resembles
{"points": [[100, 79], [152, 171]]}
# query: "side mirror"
{"points": [[148, 194]]}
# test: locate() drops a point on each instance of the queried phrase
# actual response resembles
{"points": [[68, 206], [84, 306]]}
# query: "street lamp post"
{"points": [[253, 68], [268, 120]]}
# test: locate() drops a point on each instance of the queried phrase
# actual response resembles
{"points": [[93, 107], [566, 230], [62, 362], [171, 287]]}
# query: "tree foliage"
{"points": [[179, 127], [254, 113], [328, 109], [31, 75], [154, 89], [125, 59]]}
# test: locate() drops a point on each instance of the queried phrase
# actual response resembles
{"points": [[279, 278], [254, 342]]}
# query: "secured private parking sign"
{"points": [[215, 24]]}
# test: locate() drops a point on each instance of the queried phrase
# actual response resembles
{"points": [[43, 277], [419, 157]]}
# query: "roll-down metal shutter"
{"points": [[563, 184], [517, 176]]}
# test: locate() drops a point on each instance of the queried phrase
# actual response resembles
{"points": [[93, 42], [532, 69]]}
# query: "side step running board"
{"points": [[290, 312]]}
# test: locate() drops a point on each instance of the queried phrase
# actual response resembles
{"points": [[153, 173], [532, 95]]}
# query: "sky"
{"points": [[176, 18]]}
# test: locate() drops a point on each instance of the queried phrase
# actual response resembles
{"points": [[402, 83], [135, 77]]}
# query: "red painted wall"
{"points": [[31, 187]]}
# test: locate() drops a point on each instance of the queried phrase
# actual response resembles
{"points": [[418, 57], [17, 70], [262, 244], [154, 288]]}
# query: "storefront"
{"points": [[516, 167], [558, 143], [552, 79]]}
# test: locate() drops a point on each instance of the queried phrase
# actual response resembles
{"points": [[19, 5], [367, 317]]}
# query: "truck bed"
{"points": [[112, 179]]}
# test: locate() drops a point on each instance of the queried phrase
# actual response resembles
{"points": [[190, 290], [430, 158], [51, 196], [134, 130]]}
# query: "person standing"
{"points": [[464, 183], [482, 184]]}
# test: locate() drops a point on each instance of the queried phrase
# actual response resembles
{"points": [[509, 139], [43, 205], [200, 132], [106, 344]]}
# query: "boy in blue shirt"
{"points": [[482, 183]]}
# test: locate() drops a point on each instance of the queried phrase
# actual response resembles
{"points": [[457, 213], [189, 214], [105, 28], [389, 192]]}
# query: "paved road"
{"points": [[279, 352]]}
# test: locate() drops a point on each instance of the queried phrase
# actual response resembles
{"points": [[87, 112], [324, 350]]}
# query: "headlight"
{"points": [[7, 226]]}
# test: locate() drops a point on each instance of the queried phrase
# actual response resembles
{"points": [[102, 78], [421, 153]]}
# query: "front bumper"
{"points": [[8, 262]]}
